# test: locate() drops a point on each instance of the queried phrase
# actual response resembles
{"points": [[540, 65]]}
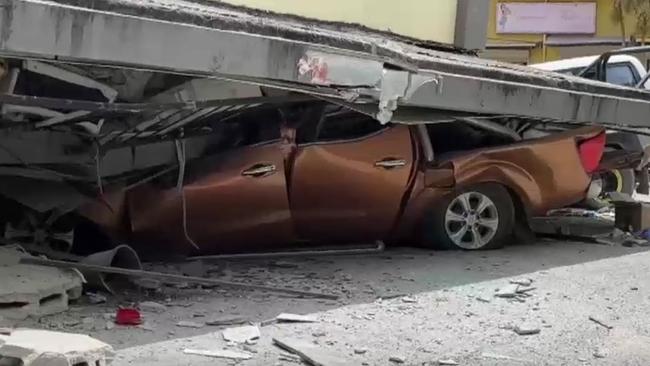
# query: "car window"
{"points": [[245, 128], [340, 123], [621, 74]]}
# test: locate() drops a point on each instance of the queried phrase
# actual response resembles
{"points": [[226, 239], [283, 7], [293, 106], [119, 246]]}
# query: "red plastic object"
{"points": [[591, 151], [128, 316]]}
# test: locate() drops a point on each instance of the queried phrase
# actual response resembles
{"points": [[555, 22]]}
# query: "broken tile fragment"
{"points": [[526, 329], [397, 359], [189, 324], [508, 291], [226, 320], [218, 354], [295, 318], [241, 334]]}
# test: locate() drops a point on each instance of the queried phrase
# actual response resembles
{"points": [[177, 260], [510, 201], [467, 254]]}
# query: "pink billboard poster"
{"points": [[546, 18]]}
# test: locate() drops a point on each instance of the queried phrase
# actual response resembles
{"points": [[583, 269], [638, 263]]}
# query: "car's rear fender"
{"points": [[544, 174]]}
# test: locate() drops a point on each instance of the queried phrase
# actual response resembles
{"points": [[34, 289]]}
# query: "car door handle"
{"points": [[259, 170], [390, 163]]}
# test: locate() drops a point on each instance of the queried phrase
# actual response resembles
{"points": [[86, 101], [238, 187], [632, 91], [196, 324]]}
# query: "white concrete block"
{"points": [[30, 290], [45, 348]]}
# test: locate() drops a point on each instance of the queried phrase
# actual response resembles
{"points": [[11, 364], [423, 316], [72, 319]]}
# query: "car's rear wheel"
{"points": [[475, 218]]}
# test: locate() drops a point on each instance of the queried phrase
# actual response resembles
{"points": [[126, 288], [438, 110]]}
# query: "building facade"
{"points": [[459, 22], [533, 31]]}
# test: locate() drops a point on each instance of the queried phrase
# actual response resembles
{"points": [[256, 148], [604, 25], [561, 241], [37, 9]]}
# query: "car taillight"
{"points": [[591, 151]]}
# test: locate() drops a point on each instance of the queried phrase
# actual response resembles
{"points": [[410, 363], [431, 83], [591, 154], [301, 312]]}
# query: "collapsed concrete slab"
{"points": [[29, 347], [29, 290]]}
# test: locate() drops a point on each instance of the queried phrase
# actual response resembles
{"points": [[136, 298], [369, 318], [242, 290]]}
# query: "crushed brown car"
{"points": [[331, 175]]}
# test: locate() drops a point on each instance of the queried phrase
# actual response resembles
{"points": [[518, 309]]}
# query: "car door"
{"points": [[348, 182], [236, 196]]}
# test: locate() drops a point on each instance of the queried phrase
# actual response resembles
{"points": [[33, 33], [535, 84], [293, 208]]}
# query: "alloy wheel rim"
{"points": [[471, 220]]}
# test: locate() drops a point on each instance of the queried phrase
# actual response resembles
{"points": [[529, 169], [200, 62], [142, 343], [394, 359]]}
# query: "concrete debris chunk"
{"points": [[31, 290], [448, 362], [483, 299], [295, 318], [600, 322], [526, 329], [409, 300], [600, 353], [509, 291], [397, 359], [522, 281], [189, 324], [152, 307], [233, 355], [241, 334], [360, 351], [40, 347], [310, 353], [226, 320]]}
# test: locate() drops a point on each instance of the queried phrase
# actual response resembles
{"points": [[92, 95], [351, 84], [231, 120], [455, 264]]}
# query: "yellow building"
{"points": [[535, 46], [423, 19], [458, 22]]}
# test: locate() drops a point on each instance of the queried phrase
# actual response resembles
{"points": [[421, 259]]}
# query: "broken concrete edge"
{"points": [[30, 290], [43, 347]]}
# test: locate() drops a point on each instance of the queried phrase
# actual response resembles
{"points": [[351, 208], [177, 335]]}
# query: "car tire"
{"points": [[618, 180], [455, 223]]}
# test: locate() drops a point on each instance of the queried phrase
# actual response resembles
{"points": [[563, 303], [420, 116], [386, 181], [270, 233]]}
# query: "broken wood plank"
{"points": [[312, 354]]}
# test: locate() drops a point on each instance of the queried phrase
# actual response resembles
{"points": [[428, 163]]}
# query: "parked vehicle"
{"points": [[621, 69], [342, 177]]}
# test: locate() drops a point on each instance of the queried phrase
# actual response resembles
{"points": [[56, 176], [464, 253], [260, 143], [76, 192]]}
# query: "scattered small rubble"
{"points": [[152, 307], [600, 322], [233, 355], [310, 353], [241, 334], [517, 290]]}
